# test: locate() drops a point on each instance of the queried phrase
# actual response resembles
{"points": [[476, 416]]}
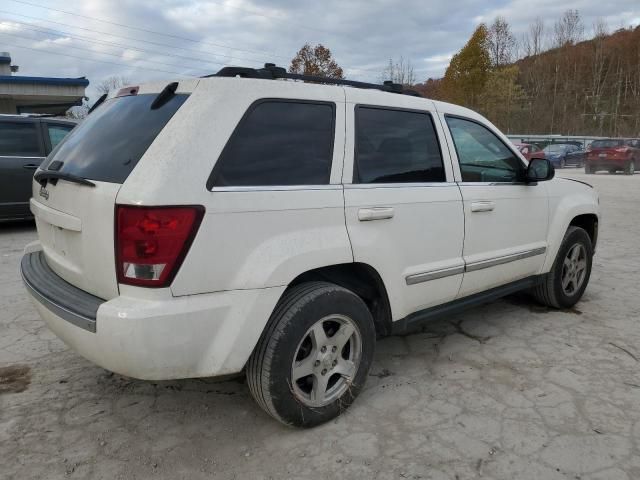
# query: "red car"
{"points": [[613, 154], [529, 151]]}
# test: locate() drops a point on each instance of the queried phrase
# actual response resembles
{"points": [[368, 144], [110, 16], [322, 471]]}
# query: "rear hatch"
{"points": [[613, 149], [75, 220]]}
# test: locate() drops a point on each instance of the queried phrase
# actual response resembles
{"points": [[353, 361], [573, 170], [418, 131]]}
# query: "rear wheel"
{"points": [[588, 169], [563, 163], [630, 168], [564, 285], [314, 356]]}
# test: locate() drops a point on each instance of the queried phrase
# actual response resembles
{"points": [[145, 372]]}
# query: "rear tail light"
{"points": [[151, 242]]}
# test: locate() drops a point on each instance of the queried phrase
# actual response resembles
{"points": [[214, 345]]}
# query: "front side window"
{"points": [[483, 157], [279, 143], [57, 132], [19, 139], [396, 146]]}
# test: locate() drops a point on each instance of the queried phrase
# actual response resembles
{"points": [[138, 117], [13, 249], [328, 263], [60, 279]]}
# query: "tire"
{"points": [[292, 336], [563, 163], [550, 291], [588, 169], [630, 168]]}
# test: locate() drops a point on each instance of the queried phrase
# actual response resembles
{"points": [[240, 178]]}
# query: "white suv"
{"points": [[249, 222]]}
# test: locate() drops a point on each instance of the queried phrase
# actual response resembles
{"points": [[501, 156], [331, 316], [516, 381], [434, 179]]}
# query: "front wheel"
{"points": [[564, 285], [314, 356]]}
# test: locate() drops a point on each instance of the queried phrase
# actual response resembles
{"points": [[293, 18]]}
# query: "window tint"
{"points": [[482, 155], [279, 143], [108, 144], [396, 146], [57, 132], [19, 139]]}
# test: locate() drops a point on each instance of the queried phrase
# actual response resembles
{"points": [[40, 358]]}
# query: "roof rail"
{"points": [[273, 72]]}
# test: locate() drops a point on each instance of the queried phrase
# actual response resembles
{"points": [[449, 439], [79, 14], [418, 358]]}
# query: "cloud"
{"points": [[195, 37]]}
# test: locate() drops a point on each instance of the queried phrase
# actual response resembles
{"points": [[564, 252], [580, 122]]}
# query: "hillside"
{"points": [[590, 88]]}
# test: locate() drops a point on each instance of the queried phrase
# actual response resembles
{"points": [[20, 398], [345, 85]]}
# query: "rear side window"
{"points": [[19, 139], [394, 146], [109, 143], [607, 143], [57, 133], [279, 143]]}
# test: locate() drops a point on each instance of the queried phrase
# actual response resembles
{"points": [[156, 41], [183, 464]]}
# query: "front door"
{"points": [[403, 209], [505, 218]]}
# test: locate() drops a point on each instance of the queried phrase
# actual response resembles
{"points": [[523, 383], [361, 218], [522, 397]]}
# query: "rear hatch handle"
{"points": [[42, 176]]}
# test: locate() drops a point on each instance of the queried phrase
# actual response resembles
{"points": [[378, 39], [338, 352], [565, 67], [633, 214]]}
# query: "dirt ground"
{"points": [[506, 391]]}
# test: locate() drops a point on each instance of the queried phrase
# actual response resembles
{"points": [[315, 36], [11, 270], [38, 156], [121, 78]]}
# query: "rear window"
{"points": [[607, 143], [109, 143], [19, 139]]}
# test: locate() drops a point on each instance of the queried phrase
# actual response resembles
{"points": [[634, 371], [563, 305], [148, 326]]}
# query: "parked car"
{"points": [[612, 155], [530, 151], [235, 222], [564, 154], [24, 142]]}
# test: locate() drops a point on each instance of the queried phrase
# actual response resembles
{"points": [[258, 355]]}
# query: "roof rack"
{"points": [[273, 72]]}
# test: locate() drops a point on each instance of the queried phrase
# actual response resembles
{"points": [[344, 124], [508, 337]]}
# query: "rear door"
{"points": [[505, 219], [21, 152], [76, 222], [403, 209]]}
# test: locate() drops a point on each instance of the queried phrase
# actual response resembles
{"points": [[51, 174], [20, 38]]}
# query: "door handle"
{"points": [[375, 213], [483, 206], [30, 166]]}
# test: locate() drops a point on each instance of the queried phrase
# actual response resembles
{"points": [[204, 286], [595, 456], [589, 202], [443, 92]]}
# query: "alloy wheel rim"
{"points": [[326, 360], [574, 269]]}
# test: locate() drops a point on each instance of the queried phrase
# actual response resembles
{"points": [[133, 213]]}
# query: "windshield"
{"points": [[555, 148], [109, 143]]}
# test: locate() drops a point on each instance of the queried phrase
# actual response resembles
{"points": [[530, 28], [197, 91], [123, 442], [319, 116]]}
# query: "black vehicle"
{"points": [[25, 140]]}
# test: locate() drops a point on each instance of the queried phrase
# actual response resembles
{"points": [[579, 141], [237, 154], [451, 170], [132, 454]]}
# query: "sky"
{"points": [[144, 40]]}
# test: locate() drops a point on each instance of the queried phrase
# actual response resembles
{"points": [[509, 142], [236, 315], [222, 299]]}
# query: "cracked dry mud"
{"points": [[510, 391]]}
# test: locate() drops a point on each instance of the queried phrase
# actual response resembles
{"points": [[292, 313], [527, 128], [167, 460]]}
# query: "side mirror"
{"points": [[540, 170]]}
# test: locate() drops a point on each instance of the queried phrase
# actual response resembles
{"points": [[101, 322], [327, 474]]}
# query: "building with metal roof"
{"points": [[52, 95]]}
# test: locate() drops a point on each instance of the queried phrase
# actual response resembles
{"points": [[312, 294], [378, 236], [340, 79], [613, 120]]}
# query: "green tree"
{"points": [[467, 73], [502, 96], [315, 61]]}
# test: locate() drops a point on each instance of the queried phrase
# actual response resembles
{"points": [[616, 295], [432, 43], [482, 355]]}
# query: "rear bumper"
{"points": [[155, 339], [607, 163]]}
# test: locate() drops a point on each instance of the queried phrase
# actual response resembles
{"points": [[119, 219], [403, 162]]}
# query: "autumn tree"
{"points": [[467, 73], [112, 83], [501, 42], [502, 96], [399, 71], [316, 61]]}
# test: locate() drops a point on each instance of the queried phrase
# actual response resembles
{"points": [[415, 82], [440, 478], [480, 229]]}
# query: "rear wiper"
{"points": [[43, 175]]}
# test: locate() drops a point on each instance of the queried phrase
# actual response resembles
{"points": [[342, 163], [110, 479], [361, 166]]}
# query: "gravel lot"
{"points": [[510, 391]]}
